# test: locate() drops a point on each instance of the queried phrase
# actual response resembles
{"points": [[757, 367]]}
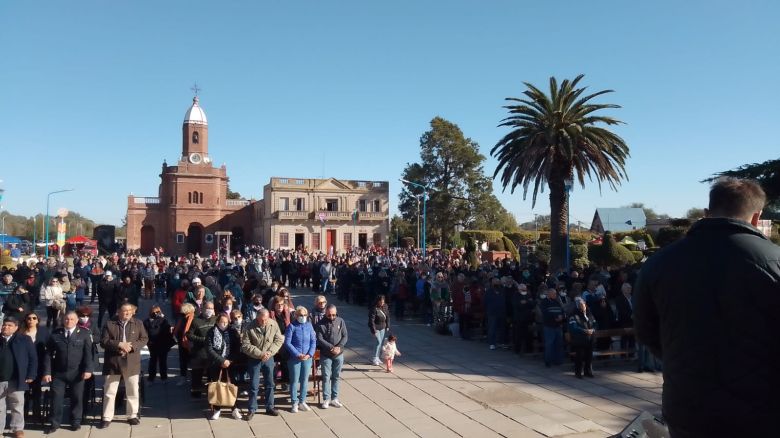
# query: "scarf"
{"points": [[220, 342]]}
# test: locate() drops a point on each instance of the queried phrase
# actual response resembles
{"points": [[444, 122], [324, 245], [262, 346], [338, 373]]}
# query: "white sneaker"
{"points": [[215, 415], [492, 347], [325, 404], [377, 362], [244, 393], [237, 414], [304, 407], [294, 409], [335, 403]]}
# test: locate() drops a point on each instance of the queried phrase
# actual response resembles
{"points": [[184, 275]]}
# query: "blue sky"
{"points": [[92, 93]]}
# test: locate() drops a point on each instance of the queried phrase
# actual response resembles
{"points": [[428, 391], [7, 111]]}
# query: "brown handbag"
{"points": [[222, 393]]}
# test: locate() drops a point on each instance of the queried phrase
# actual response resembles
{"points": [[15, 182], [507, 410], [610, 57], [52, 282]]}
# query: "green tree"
{"points": [[231, 194], [695, 213], [649, 212], [400, 228], [451, 166], [555, 138], [767, 174]]}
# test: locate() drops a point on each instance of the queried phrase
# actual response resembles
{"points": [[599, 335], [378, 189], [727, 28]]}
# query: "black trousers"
{"points": [[76, 393], [158, 357], [103, 307], [184, 361], [583, 358], [522, 337]]}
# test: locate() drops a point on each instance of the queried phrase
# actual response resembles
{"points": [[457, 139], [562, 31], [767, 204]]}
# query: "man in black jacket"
{"points": [[108, 296], [707, 306], [18, 367], [68, 362]]}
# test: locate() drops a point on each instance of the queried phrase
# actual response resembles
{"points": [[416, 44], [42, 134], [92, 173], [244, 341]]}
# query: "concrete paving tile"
{"points": [[552, 429]]}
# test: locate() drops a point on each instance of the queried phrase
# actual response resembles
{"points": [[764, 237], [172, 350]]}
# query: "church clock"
{"points": [[196, 158]]}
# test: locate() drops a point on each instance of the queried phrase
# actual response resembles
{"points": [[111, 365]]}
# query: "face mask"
{"points": [[222, 326], [302, 319], [208, 313], [84, 320], [523, 292], [563, 294], [257, 306], [542, 296]]}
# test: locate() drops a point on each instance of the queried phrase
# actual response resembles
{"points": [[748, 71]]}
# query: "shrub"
{"points": [[669, 235], [407, 242], [579, 256], [680, 222], [456, 241], [542, 253], [611, 253], [497, 245], [446, 253], [510, 246], [519, 238], [482, 235], [638, 256], [471, 252]]}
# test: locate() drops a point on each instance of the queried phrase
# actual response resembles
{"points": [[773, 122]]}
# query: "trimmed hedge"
{"points": [[638, 256], [521, 237], [543, 253], [610, 253], [482, 235], [471, 252], [407, 242], [510, 246], [497, 245], [669, 235]]}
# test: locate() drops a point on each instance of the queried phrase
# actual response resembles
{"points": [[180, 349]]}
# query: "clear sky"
{"points": [[92, 93]]}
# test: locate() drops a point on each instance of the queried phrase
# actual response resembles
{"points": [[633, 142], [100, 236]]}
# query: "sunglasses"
{"points": [[32, 318]]}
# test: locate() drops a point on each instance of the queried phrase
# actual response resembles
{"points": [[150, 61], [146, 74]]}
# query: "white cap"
{"points": [[109, 274], [196, 280]]}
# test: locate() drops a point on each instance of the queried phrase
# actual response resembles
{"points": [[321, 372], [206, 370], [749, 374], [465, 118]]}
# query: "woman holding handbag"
{"points": [[223, 344]]}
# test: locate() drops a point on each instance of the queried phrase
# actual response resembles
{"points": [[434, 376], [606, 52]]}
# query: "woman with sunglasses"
{"points": [[40, 337]]}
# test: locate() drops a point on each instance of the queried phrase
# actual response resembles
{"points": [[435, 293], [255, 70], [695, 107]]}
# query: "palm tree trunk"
{"points": [[559, 207]]}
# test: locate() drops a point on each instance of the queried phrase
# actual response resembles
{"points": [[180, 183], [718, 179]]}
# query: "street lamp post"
{"points": [[425, 202], [568, 183], [48, 199]]}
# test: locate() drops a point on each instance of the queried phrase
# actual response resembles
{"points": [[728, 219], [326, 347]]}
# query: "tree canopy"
{"points": [[459, 192], [555, 138], [767, 174]]}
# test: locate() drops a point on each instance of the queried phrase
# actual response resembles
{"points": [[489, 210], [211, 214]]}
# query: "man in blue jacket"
{"points": [[18, 366]]}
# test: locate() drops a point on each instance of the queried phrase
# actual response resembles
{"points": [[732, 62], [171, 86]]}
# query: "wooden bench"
{"points": [[611, 353]]}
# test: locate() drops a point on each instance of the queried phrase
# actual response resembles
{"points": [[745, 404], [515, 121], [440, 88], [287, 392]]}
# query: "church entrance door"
{"points": [[147, 239], [194, 238]]}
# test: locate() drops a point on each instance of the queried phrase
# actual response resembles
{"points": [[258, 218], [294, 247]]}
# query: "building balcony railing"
{"points": [[370, 216], [145, 200], [292, 214], [333, 215], [237, 202]]}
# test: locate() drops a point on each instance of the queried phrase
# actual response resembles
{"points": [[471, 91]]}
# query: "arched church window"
{"points": [[189, 197], [200, 198], [195, 137]]}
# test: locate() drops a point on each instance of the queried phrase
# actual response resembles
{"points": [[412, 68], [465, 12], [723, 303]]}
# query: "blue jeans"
{"points": [[299, 379], [159, 294], [553, 346], [256, 367], [325, 285], [380, 336], [331, 372]]}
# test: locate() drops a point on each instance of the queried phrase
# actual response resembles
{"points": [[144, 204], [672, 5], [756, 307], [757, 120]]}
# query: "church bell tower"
{"points": [[195, 135]]}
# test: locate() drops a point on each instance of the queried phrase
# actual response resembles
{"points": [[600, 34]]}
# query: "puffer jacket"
{"points": [[707, 306], [300, 339]]}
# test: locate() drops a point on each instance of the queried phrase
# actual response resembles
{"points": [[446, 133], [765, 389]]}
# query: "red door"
{"points": [[331, 242]]}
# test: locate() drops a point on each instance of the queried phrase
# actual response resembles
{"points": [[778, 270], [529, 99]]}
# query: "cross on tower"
{"points": [[195, 89]]}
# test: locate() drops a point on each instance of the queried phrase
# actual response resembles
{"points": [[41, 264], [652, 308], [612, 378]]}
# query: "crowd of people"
{"points": [[237, 317]]}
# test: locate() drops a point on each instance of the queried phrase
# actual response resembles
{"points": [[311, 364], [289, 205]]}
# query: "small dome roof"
{"points": [[195, 114]]}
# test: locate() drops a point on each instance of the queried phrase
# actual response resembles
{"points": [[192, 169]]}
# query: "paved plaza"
{"points": [[441, 387]]}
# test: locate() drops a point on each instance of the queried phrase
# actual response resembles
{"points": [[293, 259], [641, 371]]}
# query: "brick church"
{"points": [[192, 203], [191, 212]]}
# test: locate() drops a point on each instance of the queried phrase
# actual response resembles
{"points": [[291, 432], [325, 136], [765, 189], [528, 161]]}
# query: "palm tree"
{"points": [[557, 138]]}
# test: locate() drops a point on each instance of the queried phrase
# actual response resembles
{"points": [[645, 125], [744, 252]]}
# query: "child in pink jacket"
{"points": [[389, 352]]}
